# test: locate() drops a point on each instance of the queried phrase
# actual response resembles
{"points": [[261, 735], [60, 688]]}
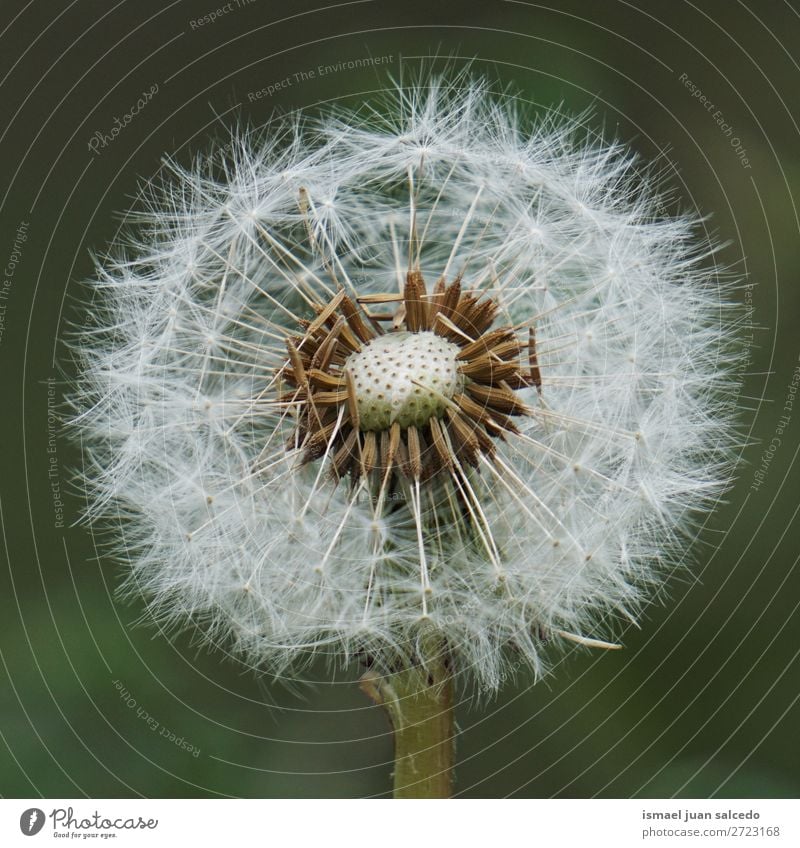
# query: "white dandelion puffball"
{"points": [[428, 370]]}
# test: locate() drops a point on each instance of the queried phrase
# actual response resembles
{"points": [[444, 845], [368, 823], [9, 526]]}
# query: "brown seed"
{"points": [[325, 352], [324, 379], [345, 455], [330, 398], [498, 397], [369, 452], [533, 360], [354, 320], [298, 370], [440, 444], [381, 298], [487, 370], [326, 312], [414, 452], [352, 402], [451, 297], [485, 343], [416, 308], [464, 437]]}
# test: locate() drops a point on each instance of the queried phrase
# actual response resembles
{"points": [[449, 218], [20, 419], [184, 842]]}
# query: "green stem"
{"points": [[419, 702]]}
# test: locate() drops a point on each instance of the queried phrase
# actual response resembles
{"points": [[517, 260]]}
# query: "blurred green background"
{"points": [[702, 701]]}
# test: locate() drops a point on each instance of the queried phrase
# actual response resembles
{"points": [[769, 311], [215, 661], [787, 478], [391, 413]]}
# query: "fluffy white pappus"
{"points": [[194, 456]]}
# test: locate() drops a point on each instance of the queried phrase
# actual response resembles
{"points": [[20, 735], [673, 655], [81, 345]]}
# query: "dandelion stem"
{"points": [[419, 703]]}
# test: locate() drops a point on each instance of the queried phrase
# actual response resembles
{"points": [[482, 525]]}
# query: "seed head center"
{"points": [[405, 378]]}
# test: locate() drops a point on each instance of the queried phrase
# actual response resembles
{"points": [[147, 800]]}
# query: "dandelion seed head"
{"points": [[431, 368], [405, 378]]}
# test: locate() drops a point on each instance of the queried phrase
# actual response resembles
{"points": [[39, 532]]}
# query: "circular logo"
{"points": [[31, 821]]}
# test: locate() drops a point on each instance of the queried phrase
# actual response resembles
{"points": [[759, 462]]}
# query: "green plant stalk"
{"points": [[419, 703]]}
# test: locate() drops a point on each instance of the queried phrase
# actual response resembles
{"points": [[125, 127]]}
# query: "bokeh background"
{"points": [[703, 700]]}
